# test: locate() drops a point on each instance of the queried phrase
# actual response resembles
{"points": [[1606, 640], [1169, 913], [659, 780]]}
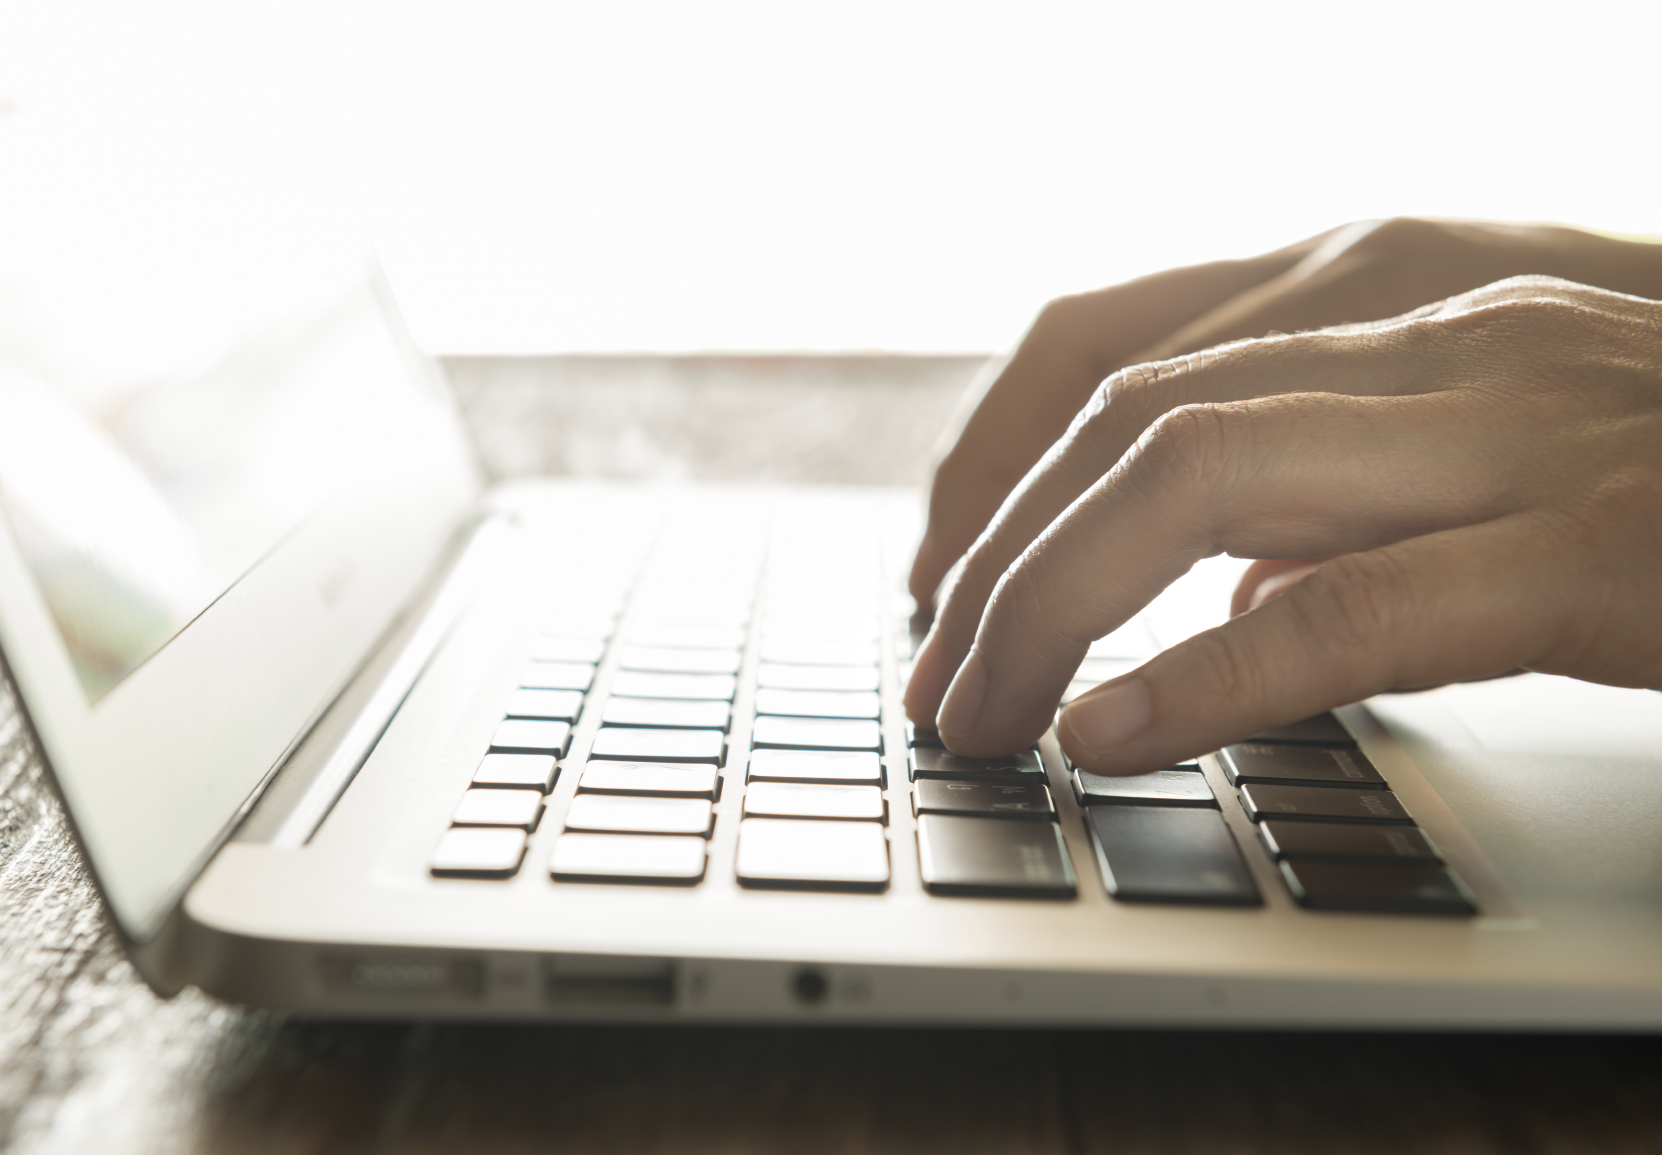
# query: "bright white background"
{"points": [[773, 176]]}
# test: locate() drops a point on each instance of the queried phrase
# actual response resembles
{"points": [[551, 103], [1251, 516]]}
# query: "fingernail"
{"points": [[1110, 717], [961, 710]]}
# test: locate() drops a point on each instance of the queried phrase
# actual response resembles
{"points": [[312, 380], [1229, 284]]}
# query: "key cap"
{"points": [[522, 808], [538, 770], [816, 734], [815, 766], [796, 652], [664, 660], [1179, 786], [1169, 854], [1379, 887], [528, 736], [478, 852], [922, 736], [548, 648], [786, 852], [557, 676], [1322, 804], [571, 622], [817, 703], [582, 857], [612, 812], [987, 799], [802, 800], [660, 779], [686, 637], [707, 687], [666, 713], [704, 612], [986, 856], [791, 627], [937, 762], [1321, 730], [660, 745], [1298, 766], [1346, 840], [548, 705], [781, 677]]}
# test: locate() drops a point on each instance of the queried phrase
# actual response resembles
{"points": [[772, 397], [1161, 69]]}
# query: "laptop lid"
{"points": [[224, 469]]}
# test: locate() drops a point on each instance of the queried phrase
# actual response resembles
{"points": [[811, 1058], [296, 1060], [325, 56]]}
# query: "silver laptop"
{"points": [[345, 732]]}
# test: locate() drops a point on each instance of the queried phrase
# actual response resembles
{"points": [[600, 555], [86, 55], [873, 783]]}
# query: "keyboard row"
{"points": [[1339, 837]]}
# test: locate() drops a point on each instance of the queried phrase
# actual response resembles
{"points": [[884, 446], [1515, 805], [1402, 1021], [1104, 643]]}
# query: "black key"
{"points": [[1169, 854], [653, 779], [816, 734], [986, 856], [659, 745], [669, 660], [987, 799], [788, 852], [783, 677], [1322, 804], [703, 687], [549, 648], [548, 705], [531, 736], [1348, 840], [478, 852], [817, 703], [1380, 887], [1321, 730], [1298, 766], [921, 735], [834, 766], [1179, 786], [672, 859], [557, 676], [937, 762], [521, 808], [666, 713], [511, 770]]}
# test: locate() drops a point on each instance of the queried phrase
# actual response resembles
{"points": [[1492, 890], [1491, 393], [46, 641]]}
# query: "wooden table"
{"points": [[91, 1061]]}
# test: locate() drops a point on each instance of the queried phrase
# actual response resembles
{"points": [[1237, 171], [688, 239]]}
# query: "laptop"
{"points": [[344, 731]]}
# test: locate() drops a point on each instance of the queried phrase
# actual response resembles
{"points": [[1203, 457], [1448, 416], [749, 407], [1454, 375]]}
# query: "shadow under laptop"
{"points": [[289, 1086]]}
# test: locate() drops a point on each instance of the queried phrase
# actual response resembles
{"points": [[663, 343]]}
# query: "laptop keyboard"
{"points": [[765, 676]]}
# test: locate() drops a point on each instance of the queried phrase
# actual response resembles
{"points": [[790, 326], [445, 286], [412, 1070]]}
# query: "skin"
{"points": [[1443, 441]]}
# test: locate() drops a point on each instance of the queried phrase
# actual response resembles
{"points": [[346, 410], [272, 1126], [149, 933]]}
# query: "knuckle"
{"points": [[1190, 446], [1226, 666], [1396, 236]]}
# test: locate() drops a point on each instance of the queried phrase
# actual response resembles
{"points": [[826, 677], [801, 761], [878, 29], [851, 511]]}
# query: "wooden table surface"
{"points": [[91, 1061]]}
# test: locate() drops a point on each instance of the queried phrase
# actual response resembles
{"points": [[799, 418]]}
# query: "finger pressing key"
{"points": [[1240, 478]]}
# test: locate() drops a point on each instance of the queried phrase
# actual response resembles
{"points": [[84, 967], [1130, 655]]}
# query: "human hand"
{"points": [[1360, 272], [1486, 474]]}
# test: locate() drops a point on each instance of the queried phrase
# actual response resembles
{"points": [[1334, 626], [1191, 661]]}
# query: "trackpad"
{"points": [[1559, 780]]}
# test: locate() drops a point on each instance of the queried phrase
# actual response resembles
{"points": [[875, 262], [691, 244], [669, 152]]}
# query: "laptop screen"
{"points": [[142, 473], [224, 474]]}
